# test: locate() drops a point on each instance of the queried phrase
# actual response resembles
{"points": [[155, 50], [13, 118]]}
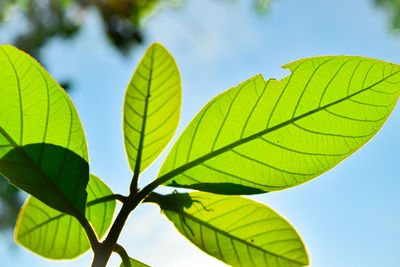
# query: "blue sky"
{"points": [[346, 217]]}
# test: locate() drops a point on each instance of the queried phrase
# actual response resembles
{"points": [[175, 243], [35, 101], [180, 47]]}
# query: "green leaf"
{"points": [[270, 135], [56, 235], [152, 107], [42, 144], [135, 263], [235, 230]]}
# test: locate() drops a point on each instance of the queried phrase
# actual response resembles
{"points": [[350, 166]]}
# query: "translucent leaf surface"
{"points": [[152, 107], [42, 144], [235, 230], [56, 235], [270, 135], [135, 263]]}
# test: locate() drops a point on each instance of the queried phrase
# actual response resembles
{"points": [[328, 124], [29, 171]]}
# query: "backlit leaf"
{"points": [[235, 230], [152, 107], [270, 135], [135, 263], [42, 144], [56, 235]]}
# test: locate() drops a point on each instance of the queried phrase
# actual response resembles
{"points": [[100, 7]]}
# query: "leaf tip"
{"points": [[157, 45]]}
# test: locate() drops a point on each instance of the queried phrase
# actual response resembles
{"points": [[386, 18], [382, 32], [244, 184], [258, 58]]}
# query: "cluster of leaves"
{"points": [[261, 136], [63, 19], [48, 19]]}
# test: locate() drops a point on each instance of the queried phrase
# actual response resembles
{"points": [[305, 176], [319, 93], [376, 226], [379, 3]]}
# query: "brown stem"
{"points": [[130, 203], [123, 254], [106, 248]]}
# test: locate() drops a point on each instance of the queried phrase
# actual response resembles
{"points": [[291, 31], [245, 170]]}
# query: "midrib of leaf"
{"points": [[42, 175], [89, 204], [169, 175], [136, 171], [195, 219], [42, 224], [65, 151], [47, 119]]}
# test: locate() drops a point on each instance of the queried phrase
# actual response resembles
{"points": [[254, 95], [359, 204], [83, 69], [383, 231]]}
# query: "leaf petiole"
{"points": [[123, 254]]}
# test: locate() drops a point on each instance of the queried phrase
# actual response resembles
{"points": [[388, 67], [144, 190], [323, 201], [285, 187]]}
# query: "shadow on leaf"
{"points": [[55, 175]]}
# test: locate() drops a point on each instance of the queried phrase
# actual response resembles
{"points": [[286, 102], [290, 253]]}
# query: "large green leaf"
{"points": [[235, 230], [135, 263], [56, 235], [42, 144], [152, 107], [270, 135]]}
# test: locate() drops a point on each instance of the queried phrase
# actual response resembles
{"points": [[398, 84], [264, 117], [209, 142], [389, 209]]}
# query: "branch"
{"points": [[94, 242], [122, 253], [119, 197], [129, 204]]}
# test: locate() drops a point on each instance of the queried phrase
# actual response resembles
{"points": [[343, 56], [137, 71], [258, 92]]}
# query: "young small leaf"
{"points": [[56, 235], [42, 144], [235, 230], [270, 135], [135, 263], [152, 107]]}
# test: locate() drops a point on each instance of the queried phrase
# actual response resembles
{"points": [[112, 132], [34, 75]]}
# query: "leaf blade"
{"points": [[271, 135], [55, 235], [134, 263], [235, 230], [151, 107], [37, 115]]}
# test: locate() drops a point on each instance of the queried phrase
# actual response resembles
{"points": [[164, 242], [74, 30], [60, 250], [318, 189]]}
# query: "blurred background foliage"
{"points": [[122, 19], [392, 7], [10, 203], [63, 18], [43, 20]]}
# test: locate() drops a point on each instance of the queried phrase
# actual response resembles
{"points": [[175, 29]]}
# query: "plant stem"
{"points": [[94, 242], [102, 256], [129, 205], [119, 197], [122, 253]]}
